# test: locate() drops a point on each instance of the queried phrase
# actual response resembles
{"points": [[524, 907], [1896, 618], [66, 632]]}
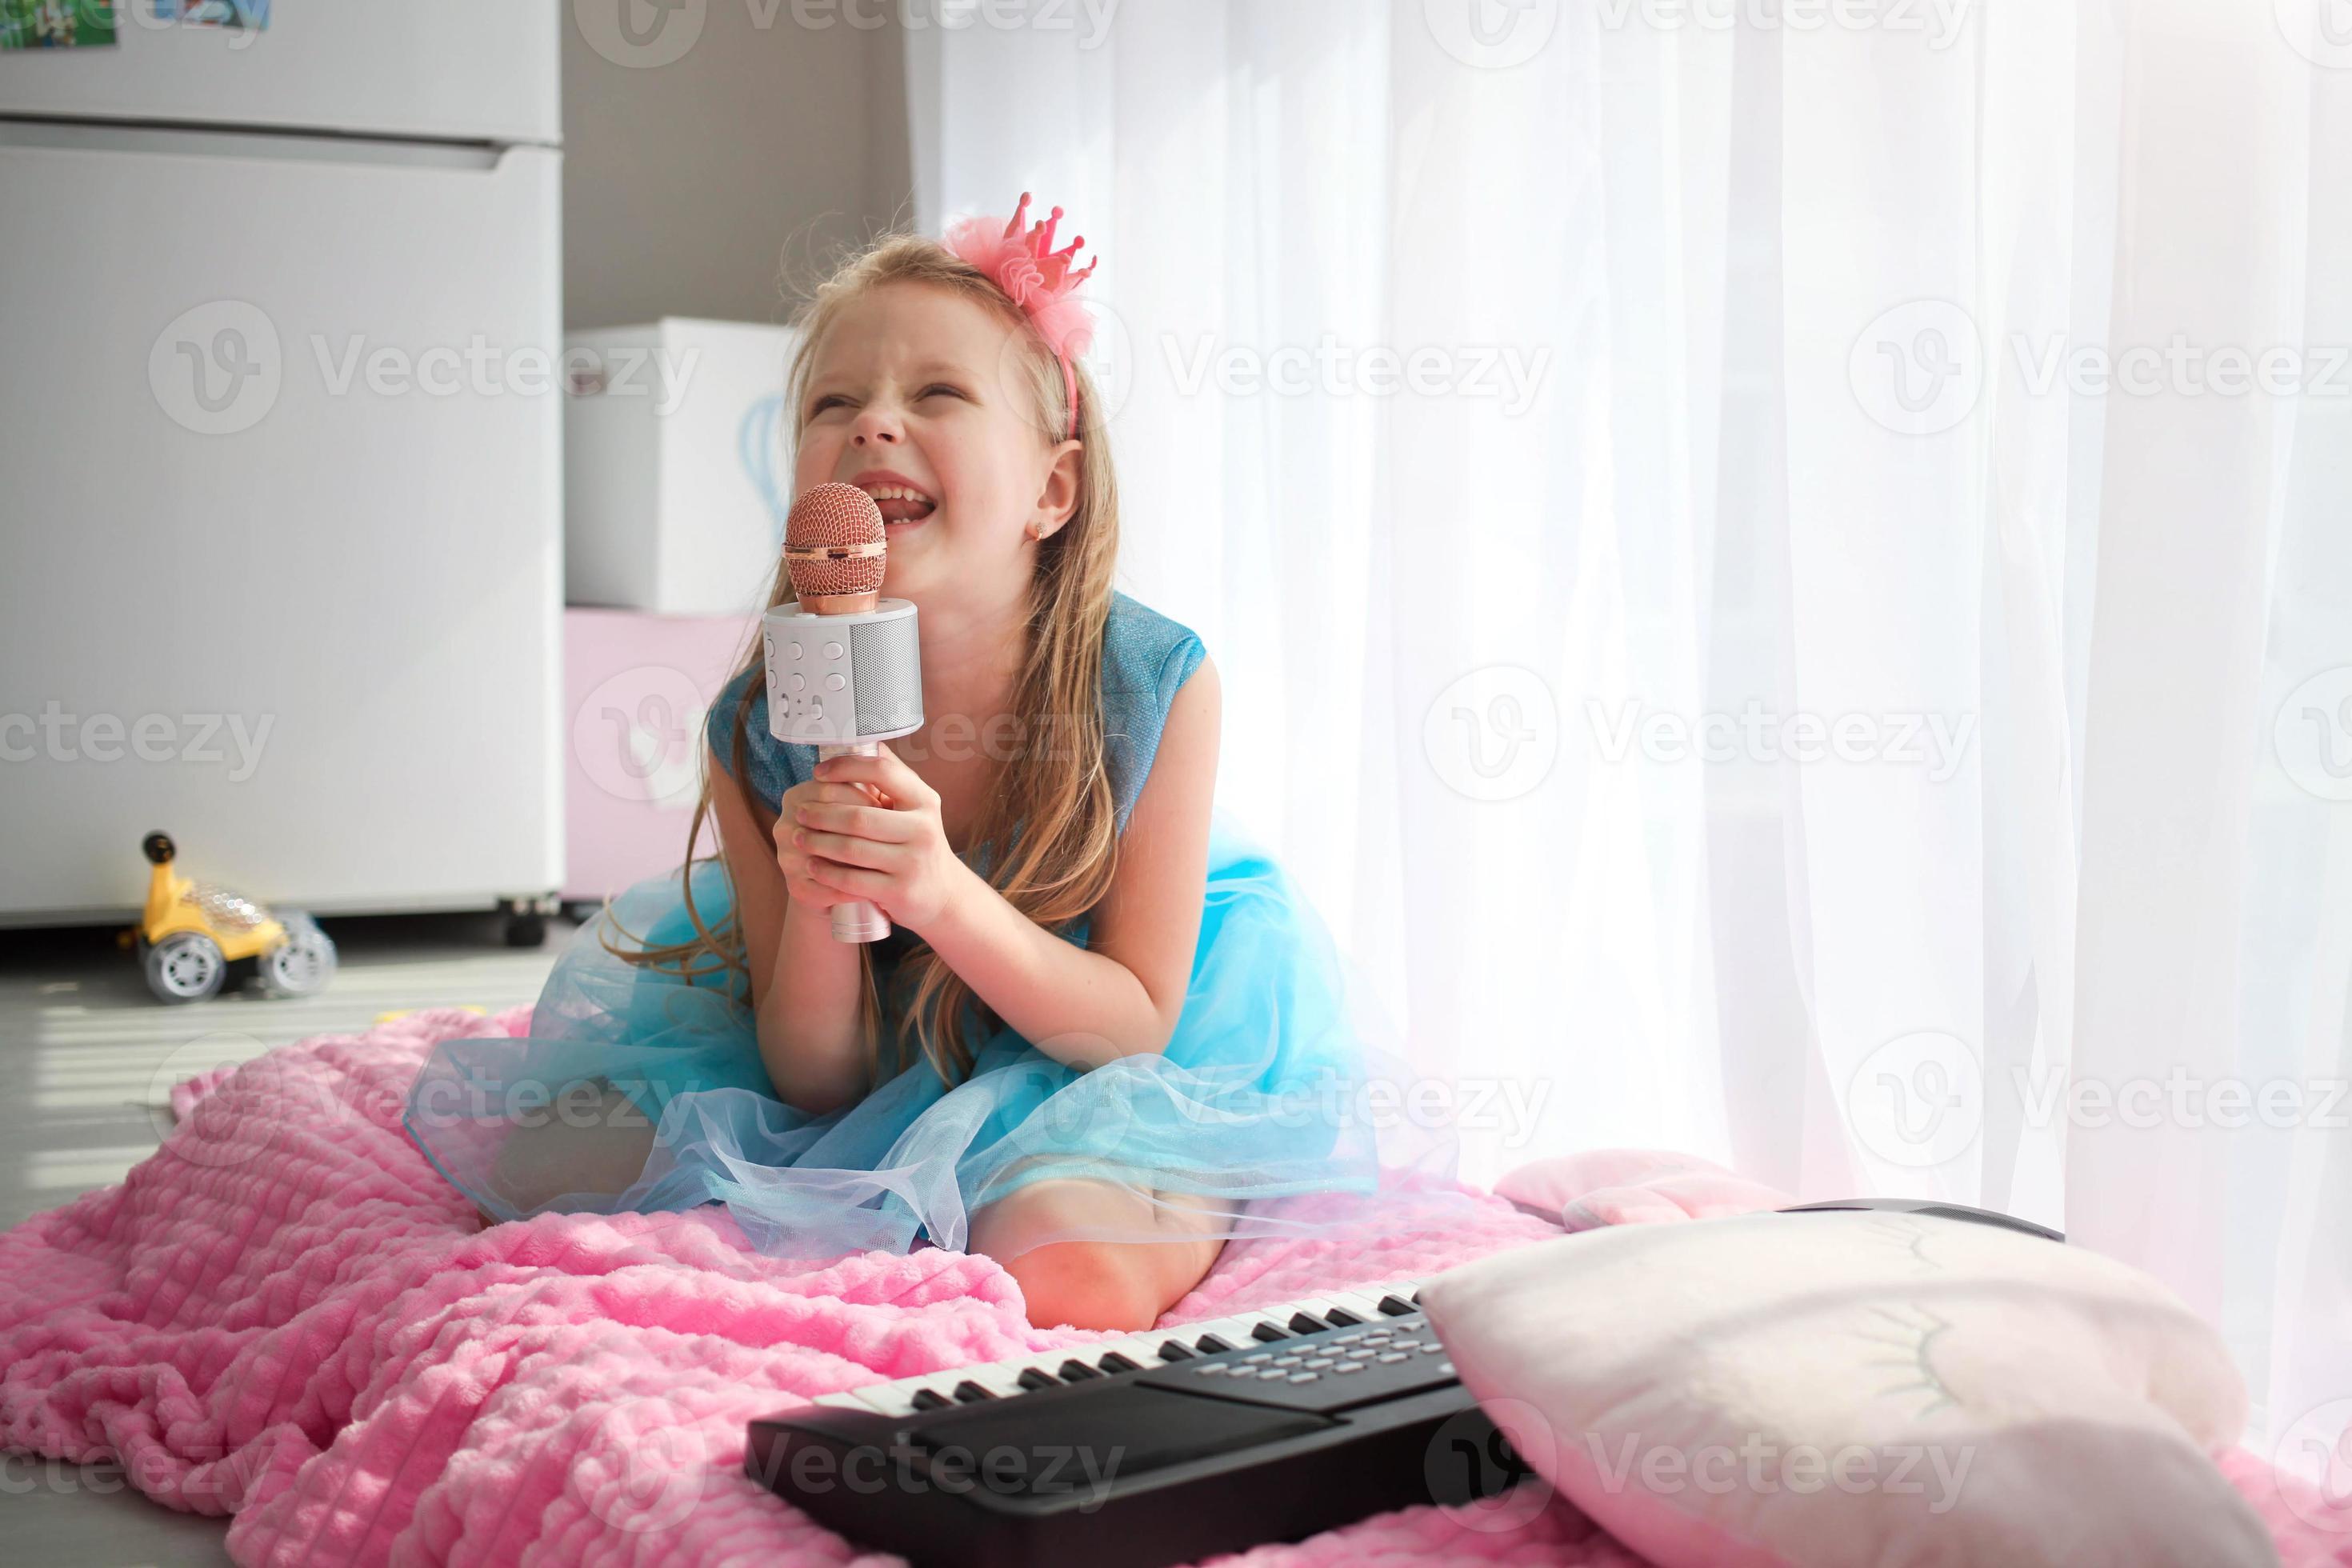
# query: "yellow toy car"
{"points": [[192, 933]]}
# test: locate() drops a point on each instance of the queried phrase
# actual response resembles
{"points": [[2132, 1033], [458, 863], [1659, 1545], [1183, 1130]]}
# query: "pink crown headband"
{"points": [[1036, 278]]}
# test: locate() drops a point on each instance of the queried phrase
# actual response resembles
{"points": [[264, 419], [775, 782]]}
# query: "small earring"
{"points": [[1032, 532]]}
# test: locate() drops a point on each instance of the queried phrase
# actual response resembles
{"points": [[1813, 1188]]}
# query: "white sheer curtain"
{"points": [[1692, 612]]}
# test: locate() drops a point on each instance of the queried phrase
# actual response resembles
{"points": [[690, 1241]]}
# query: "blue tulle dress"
{"points": [[1269, 1104]]}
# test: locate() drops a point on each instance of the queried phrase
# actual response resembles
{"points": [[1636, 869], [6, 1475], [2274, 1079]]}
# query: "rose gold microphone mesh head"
{"points": [[827, 521]]}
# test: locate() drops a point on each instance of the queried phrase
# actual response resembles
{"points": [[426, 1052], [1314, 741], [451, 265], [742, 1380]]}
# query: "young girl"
{"points": [[1104, 1033]]}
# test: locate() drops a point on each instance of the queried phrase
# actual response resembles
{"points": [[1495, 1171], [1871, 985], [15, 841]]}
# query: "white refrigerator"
{"points": [[280, 466]]}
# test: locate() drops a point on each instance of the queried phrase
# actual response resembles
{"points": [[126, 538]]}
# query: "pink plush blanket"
{"points": [[286, 1316]]}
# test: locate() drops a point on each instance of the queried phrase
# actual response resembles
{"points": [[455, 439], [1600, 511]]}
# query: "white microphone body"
{"points": [[844, 679]]}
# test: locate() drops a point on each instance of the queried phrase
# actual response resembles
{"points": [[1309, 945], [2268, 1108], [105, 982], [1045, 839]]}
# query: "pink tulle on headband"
{"points": [[1036, 278]]}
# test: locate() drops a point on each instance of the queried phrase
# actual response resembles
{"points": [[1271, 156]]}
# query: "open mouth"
{"points": [[900, 504]]}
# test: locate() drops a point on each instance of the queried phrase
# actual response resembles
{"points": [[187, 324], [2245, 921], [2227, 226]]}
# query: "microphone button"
{"points": [[833, 683], [832, 650]]}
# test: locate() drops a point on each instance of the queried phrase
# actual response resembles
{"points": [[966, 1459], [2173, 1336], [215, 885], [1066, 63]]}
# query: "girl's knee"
{"points": [[1088, 1285], [1039, 1235]]}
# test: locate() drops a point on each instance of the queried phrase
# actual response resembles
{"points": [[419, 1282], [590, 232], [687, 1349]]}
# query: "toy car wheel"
{"points": [[301, 965], [186, 966]]}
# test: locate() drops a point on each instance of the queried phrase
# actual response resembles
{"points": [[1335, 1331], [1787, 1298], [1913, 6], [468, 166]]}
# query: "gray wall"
{"points": [[690, 188]]}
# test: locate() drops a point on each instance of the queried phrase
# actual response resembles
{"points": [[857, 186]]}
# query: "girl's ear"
{"points": [[1059, 497]]}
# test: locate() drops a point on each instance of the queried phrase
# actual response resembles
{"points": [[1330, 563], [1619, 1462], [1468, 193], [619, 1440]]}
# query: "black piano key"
{"points": [[1212, 1343], [1075, 1371], [971, 1392], [1397, 1308], [1117, 1363], [1176, 1350], [1308, 1323], [926, 1400], [1034, 1378], [1342, 1319], [1269, 1333]]}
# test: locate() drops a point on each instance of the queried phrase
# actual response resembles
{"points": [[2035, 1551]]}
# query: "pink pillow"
{"points": [[1634, 1186], [1857, 1390]]}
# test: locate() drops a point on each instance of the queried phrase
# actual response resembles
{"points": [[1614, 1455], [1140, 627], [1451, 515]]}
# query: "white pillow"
{"points": [[1857, 1389]]}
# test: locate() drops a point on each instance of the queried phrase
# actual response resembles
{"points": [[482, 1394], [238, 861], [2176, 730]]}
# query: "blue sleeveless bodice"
{"points": [[1146, 658]]}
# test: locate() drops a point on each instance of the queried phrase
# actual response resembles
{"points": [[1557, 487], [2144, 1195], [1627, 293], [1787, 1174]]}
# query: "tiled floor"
{"points": [[86, 1057]]}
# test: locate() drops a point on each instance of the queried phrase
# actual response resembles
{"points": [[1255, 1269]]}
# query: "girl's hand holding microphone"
{"points": [[793, 857], [835, 845]]}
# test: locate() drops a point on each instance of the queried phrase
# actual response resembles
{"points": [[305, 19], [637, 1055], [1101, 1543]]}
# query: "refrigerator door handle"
{"points": [[205, 141]]}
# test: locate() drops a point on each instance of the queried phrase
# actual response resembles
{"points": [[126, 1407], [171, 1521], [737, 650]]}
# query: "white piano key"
{"points": [[1143, 1349], [1366, 1308], [1321, 1306], [1235, 1330], [889, 1398], [1000, 1378]]}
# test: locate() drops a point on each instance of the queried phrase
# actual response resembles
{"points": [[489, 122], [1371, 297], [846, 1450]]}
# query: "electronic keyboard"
{"points": [[1161, 1448]]}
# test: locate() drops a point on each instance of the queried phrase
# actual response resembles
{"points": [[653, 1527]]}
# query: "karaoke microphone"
{"points": [[845, 671]]}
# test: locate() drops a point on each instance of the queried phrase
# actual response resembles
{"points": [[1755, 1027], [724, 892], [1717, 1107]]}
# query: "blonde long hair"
{"points": [[1047, 837]]}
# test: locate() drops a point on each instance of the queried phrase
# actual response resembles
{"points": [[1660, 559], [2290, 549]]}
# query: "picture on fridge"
{"points": [[56, 24], [254, 14]]}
